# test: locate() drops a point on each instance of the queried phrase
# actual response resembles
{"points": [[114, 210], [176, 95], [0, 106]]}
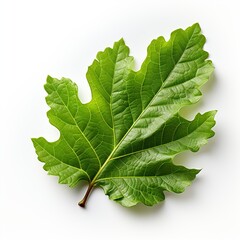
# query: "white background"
{"points": [[61, 38]]}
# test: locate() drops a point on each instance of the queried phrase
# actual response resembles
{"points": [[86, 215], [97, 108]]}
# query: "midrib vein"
{"points": [[139, 117], [129, 177]]}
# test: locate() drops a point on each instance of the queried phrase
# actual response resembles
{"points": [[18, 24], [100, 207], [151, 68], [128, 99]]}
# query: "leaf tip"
{"points": [[121, 40], [49, 79], [197, 171], [212, 115], [214, 112], [120, 44], [196, 25], [34, 141]]}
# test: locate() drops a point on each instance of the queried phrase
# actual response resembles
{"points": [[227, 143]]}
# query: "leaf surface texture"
{"points": [[124, 140]]}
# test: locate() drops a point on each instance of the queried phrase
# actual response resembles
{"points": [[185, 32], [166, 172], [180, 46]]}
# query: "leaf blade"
{"points": [[125, 139]]}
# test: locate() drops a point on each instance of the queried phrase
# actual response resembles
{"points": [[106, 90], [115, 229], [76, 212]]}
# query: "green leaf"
{"points": [[124, 140]]}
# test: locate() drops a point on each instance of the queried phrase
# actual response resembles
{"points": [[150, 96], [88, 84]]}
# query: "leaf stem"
{"points": [[82, 203]]}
